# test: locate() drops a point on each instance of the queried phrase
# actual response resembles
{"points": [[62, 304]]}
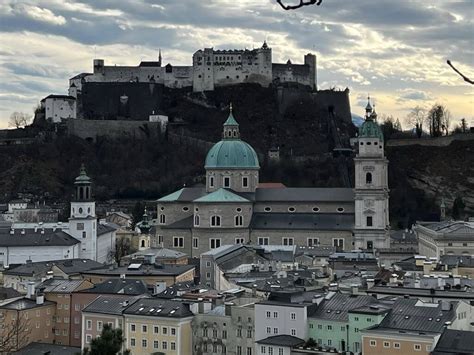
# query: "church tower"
{"points": [[371, 230], [83, 221]]}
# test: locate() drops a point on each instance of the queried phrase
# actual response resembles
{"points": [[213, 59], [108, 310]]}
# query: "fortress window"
{"points": [[226, 181], [267, 209], [340, 209], [368, 178], [245, 181], [196, 220], [215, 221], [239, 220], [369, 221], [315, 209]]}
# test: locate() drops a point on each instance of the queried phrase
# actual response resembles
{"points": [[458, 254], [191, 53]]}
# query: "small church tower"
{"points": [[442, 210], [371, 191], [83, 220]]}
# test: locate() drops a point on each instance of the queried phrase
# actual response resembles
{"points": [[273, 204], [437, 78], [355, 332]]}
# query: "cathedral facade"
{"points": [[235, 208]]}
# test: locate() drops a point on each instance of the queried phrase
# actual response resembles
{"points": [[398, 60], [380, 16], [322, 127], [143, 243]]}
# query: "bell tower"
{"points": [[83, 220], [371, 191]]}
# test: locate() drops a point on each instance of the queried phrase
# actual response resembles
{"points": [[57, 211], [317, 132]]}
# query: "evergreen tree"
{"points": [[458, 208], [137, 213], [108, 343]]}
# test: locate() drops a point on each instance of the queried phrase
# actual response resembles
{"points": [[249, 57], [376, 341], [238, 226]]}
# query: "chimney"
{"points": [[40, 299], [160, 287], [370, 283], [354, 289], [30, 290], [456, 280], [417, 283], [394, 279]]}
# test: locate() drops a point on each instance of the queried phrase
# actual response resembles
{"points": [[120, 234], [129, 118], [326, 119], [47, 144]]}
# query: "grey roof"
{"points": [[185, 223], [315, 251], [68, 266], [413, 315], [452, 341], [451, 227], [28, 237], [178, 288], [148, 270], [8, 292], [282, 340], [186, 194], [236, 257], [106, 228], [119, 286], [110, 304], [60, 285], [163, 253], [305, 194], [50, 349], [157, 307], [457, 260], [403, 235], [24, 303], [303, 221], [337, 306], [420, 292], [66, 97]]}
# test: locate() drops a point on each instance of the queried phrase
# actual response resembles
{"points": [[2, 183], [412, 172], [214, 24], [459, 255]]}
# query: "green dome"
{"points": [[232, 154], [370, 129]]}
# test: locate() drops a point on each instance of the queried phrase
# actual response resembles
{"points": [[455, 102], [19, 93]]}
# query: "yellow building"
{"points": [[158, 325]]}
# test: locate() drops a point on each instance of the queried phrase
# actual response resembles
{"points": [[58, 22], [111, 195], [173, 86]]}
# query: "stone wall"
{"points": [[92, 129], [431, 142]]}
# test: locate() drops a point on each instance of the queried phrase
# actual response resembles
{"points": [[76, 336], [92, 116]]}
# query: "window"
{"points": [[329, 327], [211, 181], [312, 242], [329, 342], [132, 327], [275, 330], [368, 178], [88, 324], [340, 209], [239, 220], [338, 243], [293, 316], [386, 344], [173, 345], [76, 320], [396, 345], [195, 243], [84, 235], [88, 338], [293, 332], [249, 332], [196, 220], [156, 329], [280, 351], [320, 326], [164, 345], [156, 344], [263, 350], [132, 342], [269, 330], [270, 350], [178, 242], [291, 209], [343, 328], [77, 307], [245, 181], [417, 347], [267, 209], [215, 243], [373, 343], [369, 221], [239, 241], [164, 330], [173, 331], [144, 328], [215, 221], [263, 241], [275, 314], [239, 350], [239, 332], [185, 209], [224, 334], [144, 343], [316, 209], [80, 226], [249, 351], [287, 241], [226, 181], [162, 219]]}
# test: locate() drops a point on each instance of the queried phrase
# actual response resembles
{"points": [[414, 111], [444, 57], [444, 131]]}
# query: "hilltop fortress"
{"points": [[211, 68]]}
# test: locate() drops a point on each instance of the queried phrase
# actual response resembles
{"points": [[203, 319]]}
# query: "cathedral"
{"points": [[235, 208]]}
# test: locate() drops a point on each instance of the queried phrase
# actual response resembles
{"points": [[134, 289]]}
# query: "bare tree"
{"points": [[19, 119], [300, 4], [123, 247], [438, 120], [14, 335], [416, 117], [466, 79]]}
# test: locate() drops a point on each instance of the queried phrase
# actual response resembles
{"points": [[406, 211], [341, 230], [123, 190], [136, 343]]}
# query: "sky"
{"points": [[396, 51]]}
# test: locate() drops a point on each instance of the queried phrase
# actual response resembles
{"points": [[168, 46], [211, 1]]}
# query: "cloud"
{"points": [[39, 14], [411, 94]]}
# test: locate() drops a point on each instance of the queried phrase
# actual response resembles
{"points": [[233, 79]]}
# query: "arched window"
{"points": [[211, 181], [162, 219], [215, 221], [81, 193], [84, 235], [368, 178], [143, 243], [196, 220], [239, 220]]}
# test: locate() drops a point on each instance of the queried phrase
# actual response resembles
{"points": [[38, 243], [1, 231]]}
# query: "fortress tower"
{"points": [[371, 191]]}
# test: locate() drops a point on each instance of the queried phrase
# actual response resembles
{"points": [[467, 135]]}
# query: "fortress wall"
{"points": [[92, 129], [430, 142], [339, 100], [300, 74]]}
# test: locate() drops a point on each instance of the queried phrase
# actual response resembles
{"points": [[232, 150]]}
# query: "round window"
{"points": [[238, 209], [315, 209], [80, 209], [291, 209], [340, 209], [162, 208], [267, 209], [196, 209], [185, 208]]}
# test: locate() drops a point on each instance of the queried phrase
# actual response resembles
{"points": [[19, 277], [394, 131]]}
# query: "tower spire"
{"points": [[159, 57]]}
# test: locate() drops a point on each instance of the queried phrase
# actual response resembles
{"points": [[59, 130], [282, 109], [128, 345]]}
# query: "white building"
{"points": [[371, 191], [445, 238], [59, 107]]}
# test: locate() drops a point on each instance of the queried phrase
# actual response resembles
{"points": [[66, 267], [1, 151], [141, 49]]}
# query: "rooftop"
{"points": [[110, 304], [457, 342], [282, 340], [68, 266], [308, 194], [24, 303], [303, 221], [222, 195], [119, 286], [159, 308], [50, 349], [35, 238], [186, 194], [336, 306], [60, 285], [143, 270]]}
